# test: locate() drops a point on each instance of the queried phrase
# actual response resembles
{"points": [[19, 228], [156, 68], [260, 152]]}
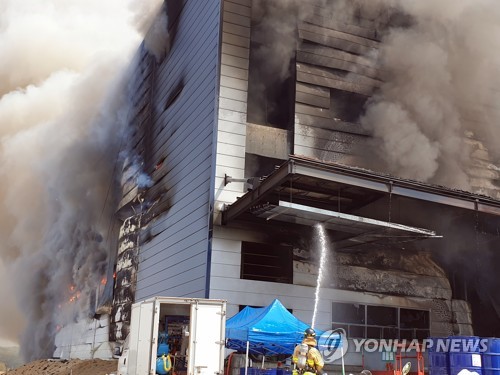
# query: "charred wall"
{"points": [[125, 279], [377, 277], [333, 61], [326, 60], [168, 170], [133, 182], [390, 272], [335, 78]]}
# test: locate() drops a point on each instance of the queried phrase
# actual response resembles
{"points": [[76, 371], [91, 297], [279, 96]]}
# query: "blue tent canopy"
{"points": [[269, 330]]}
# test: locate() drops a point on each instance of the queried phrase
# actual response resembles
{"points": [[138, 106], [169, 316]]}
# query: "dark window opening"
{"points": [[265, 262], [271, 74], [347, 106], [356, 331], [373, 333], [410, 318], [270, 101], [349, 313], [389, 332], [382, 316], [380, 322], [414, 324]]}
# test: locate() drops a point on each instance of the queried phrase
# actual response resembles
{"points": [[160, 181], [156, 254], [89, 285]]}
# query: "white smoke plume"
{"points": [[440, 81], [63, 109], [154, 29]]}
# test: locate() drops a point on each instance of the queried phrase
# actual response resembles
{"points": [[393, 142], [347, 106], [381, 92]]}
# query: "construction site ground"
{"points": [[63, 367]]}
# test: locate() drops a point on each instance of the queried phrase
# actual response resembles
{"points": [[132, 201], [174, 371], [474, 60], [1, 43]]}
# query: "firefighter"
{"points": [[306, 357]]}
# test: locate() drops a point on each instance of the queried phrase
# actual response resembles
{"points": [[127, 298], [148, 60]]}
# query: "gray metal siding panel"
{"points": [[173, 260]]}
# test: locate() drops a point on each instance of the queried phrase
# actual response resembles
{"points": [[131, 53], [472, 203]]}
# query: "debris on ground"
{"points": [[67, 367]]}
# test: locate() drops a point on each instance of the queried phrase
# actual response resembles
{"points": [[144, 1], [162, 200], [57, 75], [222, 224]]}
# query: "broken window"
{"points": [[347, 106], [352, 314], [414, 324], [380, 322], [348, 313], [265, 262], [382, 316]]}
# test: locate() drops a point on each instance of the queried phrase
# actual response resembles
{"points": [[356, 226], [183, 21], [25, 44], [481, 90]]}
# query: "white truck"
{"points": [[196, 334]]}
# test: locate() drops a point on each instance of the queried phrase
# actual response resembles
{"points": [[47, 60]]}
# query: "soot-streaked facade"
{"points": [[243, 155]]}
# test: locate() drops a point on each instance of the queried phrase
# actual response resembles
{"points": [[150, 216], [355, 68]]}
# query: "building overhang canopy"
{"points": [[304, 191], [360, 229]]}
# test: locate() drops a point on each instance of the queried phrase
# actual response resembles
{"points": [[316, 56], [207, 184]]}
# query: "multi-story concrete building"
{"points": [[248, 145]]}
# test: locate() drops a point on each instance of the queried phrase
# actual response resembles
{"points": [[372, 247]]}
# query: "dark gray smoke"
{"points": [[435, 118], [62, 113], [440, 87]]}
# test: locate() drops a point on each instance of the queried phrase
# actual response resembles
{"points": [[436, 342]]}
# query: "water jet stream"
{"points": [[323, 248]]}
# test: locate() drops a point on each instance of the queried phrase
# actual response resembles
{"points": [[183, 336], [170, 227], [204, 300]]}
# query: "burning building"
{"points": [[255, 120]]}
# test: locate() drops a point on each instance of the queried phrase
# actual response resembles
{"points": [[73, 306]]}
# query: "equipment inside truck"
{"points": [[173, 338]]}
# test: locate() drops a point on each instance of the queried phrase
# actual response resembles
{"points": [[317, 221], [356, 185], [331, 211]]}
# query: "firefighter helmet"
{"points": [[309, 332]]}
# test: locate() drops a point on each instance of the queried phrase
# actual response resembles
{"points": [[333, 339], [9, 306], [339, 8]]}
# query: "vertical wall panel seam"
{"points": [[214, 151]]}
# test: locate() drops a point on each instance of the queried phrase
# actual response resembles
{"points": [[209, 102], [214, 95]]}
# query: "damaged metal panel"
{"points": [[363, 84], [314, 100], [327, 140], [483, 173], [319, 18], [125, 279], [441, 318], [176, 206], [305, 33], [140, 129], [341, 35], [316, 91], [266, 141], [307, 75], [335, 63], [391, 282], [370, 230], [357, 62], [334, 56], [327, 150], [384, 272], [329, 123]]}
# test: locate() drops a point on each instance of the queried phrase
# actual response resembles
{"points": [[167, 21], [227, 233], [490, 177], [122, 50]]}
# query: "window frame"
{"points": [[416, 333]]}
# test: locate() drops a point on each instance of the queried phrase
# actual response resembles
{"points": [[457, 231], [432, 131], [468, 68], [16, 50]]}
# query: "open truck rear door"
{"points": [[206, 349]]}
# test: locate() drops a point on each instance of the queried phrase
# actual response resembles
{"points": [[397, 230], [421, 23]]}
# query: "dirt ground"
{"points": [[71, 367]]}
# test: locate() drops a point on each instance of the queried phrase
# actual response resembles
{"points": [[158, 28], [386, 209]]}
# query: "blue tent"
{"points": [[269, 330]]}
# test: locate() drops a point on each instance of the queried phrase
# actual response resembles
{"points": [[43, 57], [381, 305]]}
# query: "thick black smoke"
{"points": [[440, 89]]}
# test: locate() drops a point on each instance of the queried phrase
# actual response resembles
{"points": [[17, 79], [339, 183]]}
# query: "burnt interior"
{"points": [[270, 101], [466, 252]]}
